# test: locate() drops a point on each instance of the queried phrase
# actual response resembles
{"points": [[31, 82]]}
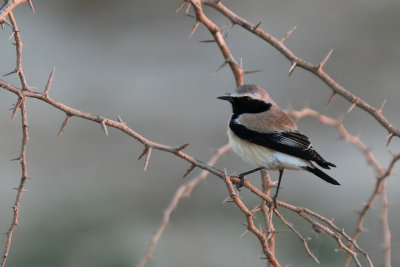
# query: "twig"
{"points": [[219, 39], [267, 185], [250, 223], [18, 45], [387, 236], [335, 232], [302, 239], [183, 191], [24, 177]]}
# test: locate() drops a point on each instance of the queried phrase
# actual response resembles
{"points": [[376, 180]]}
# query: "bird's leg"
{"points": [[277, 189], [242, 175]]}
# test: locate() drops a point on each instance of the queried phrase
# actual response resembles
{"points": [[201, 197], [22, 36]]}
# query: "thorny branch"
{"points": [[266, 239], [219, 39], [291, 227], [380, 184], [262, 237], [21, 104], [183, 191], [20, 189], [267, 185]]}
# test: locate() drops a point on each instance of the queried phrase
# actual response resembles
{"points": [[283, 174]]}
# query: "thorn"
{"points": [[207, 41], [180, 6], [146, 148], [389, 139], [16, 188], [251, 71], [194, 29], [120, 120], [321, 65], [182, 147], [227, 199], [331, 99], [12, 35], [31, 5], [19, 158], [187, 11], [220, 67], [233, 61], [47, 88], [11, 72], [382, 105], [229, 30], [189, 170], [16, 107], [6, 22], [353, 105], [257, 207], [288, 34], [104, 126], [256, 27], [146, 163], [294, 65], [64, 124], [225, 174], [244, 233]]}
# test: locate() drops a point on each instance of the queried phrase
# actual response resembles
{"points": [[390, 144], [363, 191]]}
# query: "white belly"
{"points": [[264, 157]]}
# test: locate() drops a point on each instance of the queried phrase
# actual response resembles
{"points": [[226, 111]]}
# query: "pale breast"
{"points": [[264, 157]]}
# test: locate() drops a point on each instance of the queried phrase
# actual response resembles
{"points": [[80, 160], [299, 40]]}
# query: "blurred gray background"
{"points": [[90, 203]]}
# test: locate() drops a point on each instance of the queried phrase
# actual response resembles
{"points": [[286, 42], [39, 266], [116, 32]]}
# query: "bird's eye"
{"points": [[246, 98]]}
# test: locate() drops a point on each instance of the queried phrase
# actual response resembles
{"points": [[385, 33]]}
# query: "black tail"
{"points": [[321, 175]]}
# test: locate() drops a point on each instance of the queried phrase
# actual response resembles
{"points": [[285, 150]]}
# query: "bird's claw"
{"points": [[274, 203], [240, 184]]}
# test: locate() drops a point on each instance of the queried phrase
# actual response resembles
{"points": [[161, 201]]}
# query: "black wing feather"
{"points": [[289, 142]]}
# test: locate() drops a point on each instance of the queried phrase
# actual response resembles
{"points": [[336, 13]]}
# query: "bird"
{"points": [[265, 136]]}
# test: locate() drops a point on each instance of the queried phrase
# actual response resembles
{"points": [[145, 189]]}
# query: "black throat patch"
{"points": [[246, 104]]}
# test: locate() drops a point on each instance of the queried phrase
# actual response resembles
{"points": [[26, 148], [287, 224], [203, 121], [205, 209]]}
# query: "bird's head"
{"points": [[248, 98]]}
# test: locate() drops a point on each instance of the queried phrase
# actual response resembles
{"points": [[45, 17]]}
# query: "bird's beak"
{"points": [[226, 97]]}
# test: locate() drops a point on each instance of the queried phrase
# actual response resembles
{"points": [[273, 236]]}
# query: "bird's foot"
{"points": [[272, 205], [240, 184], [274, 202]]}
